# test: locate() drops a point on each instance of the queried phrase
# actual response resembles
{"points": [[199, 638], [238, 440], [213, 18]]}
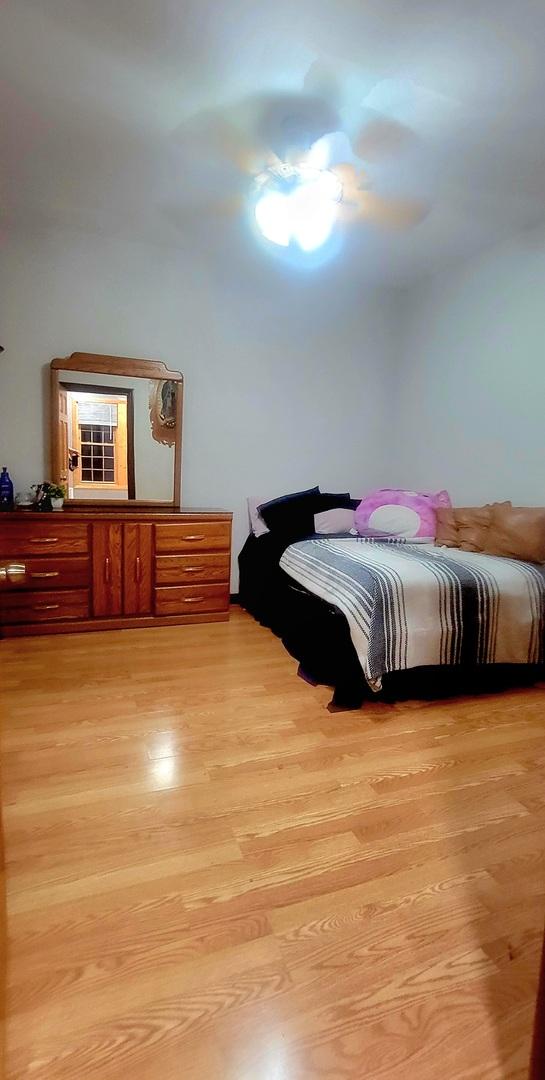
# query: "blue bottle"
{"points": [[6, 490]]}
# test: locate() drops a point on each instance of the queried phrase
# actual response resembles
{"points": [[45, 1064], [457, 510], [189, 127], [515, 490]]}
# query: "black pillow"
{"points": [[292, 516], [330, 501]]}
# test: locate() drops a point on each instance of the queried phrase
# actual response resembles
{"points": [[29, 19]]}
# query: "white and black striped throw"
{"points": [[410, 606]]}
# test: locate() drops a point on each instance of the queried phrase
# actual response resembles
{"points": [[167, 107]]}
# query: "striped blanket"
{"points": [[410, 606]]}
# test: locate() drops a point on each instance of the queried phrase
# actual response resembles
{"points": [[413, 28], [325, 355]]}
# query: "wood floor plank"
{"points": [[209, 875]]}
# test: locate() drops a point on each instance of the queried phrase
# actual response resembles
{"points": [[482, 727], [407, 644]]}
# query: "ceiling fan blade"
{"points": [[212, 135], [380, 138], [322, 82], [290, 123], [351, 180], [186, 217], [391, 213]]}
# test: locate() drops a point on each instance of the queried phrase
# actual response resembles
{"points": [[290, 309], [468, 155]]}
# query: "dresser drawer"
{"points": [[192, 569], [64, 572], [201, 536], [51, 538], [34, 607], [191, 599]]}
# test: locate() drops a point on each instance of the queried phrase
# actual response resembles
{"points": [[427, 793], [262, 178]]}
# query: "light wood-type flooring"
{"points": [[212, 877]]}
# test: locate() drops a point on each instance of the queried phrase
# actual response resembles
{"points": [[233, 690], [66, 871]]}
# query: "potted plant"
{"points": [[48, 496], [57, 494]]}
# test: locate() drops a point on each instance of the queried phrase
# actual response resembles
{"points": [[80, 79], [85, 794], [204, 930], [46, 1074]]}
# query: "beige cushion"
{"points": [[517, 532], [446, 533], [472, 523], [465, 527]]}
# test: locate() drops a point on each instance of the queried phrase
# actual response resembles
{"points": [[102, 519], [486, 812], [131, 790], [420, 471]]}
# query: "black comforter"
{"points": [[315, 633]]}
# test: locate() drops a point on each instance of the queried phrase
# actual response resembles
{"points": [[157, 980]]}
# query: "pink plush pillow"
{"points": [[394, 512]]}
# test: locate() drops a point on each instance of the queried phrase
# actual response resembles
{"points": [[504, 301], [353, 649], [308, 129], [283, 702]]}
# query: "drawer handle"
{"points": [[195, 536], [192, 569], [12, 572], [195, 600], [45, 573], [46, 607], [44, 540]]}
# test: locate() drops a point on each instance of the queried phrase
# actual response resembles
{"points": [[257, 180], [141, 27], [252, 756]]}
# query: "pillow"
{"points": [[257, 524], [341, 499], [465, 527], [472, 524], [338, 520], [517, 532], [292, 516], [395, 512], [446, 532]]}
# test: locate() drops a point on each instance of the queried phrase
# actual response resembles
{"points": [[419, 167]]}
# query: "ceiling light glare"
{"points": [[313, 218], [273, 216], [306, 214]]}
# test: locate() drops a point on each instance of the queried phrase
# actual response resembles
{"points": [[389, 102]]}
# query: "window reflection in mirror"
{"points": [[97, 442], [116, 436]]}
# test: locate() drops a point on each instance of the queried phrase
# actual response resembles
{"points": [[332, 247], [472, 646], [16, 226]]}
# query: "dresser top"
{"points": [[125, 513]]}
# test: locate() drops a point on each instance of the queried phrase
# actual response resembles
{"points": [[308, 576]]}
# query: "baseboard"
{"points": [[234, 598]]}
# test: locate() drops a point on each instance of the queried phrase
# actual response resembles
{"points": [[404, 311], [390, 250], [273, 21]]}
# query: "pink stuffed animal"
{"points": [[395, 512]]}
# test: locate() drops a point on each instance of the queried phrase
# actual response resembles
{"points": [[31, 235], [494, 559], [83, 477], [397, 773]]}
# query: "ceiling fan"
{"points": [[298, 164]]}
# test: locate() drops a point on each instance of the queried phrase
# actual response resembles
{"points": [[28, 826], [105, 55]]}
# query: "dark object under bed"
{"points": [[317, 635]]}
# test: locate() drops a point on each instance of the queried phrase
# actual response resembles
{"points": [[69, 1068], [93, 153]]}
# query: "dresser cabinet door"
{"points": [[137, 568], [107, 568]]}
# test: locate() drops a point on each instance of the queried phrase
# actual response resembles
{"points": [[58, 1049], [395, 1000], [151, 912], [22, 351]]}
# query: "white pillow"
{"points": [[334, 521], [257, 524]]}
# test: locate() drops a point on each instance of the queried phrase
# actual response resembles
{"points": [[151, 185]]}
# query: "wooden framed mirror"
{"points": [[116, 430]]}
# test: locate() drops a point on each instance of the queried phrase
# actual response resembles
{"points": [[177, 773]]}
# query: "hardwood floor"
{"points": [[211, 877]]}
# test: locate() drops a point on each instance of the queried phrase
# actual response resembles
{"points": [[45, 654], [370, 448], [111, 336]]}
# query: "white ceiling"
{"points": [[93, 90]]}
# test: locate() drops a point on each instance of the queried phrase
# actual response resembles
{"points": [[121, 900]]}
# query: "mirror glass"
{"points": [[117, 436]]}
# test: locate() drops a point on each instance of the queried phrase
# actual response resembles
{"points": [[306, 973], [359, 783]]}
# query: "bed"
{"points": [[393, 618]]}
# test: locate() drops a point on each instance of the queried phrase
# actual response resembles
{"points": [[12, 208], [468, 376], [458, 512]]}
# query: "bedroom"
{"points": [[208, 869]]}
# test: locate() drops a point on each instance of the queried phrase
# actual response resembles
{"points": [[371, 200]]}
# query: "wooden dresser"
{"points": [[90, 569]]}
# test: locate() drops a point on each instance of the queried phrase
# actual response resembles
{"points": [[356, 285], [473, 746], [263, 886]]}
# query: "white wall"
{"points": [[469, 408], [288, 377]]}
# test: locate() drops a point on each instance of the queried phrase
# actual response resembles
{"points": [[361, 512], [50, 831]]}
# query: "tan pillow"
{"points": [[517, 532], [446, 533], [465, 527], [472, 523]]}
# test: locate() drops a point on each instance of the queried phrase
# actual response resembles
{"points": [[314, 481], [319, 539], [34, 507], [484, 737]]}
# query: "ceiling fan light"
{"points": [[313, 219], [318, 157], [273, 216], [303, 206], [311, 233], [328, 186]]}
